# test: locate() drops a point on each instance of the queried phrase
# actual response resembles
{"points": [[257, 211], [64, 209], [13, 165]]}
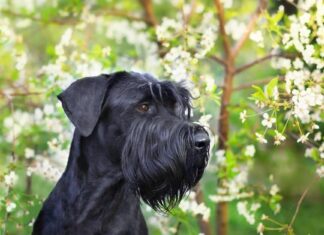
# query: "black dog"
{"points": [[133, 140]]}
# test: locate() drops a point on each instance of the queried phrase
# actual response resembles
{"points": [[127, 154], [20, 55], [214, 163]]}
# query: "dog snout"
{"points": [[201, 139]]}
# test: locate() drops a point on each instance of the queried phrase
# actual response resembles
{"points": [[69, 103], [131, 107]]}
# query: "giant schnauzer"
{"points": [[133, 140]]}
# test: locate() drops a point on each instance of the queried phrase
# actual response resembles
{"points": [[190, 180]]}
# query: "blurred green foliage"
{"points": [[45, 45]]}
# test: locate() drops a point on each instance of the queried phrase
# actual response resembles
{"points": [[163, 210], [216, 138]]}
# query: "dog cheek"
{"points": [[111, 138]]}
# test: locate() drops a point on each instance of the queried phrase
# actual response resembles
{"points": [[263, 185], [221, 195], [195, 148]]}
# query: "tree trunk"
{"points": [[204, 226], [223, 131]]}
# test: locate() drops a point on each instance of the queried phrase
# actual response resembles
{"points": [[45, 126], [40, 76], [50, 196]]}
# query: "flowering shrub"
{"points": [[251, 109]]}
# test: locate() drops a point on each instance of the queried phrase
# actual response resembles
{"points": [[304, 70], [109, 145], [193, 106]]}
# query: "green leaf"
{"points": [[270, 87], [259, 94]]}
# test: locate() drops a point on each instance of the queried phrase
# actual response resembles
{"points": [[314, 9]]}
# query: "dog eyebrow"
{"points": [[160, 92]]}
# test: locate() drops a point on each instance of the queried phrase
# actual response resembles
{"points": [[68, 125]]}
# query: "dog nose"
{"points": [[201, 140]]}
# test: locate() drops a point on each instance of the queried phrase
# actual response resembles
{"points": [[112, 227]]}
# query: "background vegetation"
{"points": [[256, 66]]}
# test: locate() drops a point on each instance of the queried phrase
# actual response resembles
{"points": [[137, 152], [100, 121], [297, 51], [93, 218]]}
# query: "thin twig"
{"points": [[253, 20], [21, 94], [295, 5], [188, 16], [178, 228], [301, 200], [309, 143]]}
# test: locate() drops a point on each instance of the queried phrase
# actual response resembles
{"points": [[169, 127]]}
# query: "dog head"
{"points": [[145, 127]]}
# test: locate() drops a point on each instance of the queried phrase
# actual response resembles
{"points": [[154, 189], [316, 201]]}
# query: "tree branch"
{"points": [[255, 16], [58, 21], [218, 60], [255, 62], [205, 227], [224, 36], [152, 22], [21, 94], [257, 82], [262, 59], [149, 12], [123, 14], [73, 20], [249, 85]]}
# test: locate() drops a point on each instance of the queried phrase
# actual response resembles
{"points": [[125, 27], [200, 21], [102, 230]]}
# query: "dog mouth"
{"points": [[162, 160]]}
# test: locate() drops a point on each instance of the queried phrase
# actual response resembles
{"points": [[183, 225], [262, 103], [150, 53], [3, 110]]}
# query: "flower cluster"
{"points": [[46, 118], [297, 97], [197, 41], [248, 211], [190, 205]]}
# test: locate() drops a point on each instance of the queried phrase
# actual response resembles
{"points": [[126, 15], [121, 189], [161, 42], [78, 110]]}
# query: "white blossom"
{"points": [[264, 217], [38, 114], [190, 205], [308, 152], [48, 109], [298, 64], [21, 61], [274, 189], [235, 28], [257, 37], [238, 182], [207, 41], [249, 150], [279, 138], [178, 63], [281, 63], [255, 206], [10, 179], [267, 120], [29, 153], [10, 206], [168, 29], [227, 198], [315, 127], [210, 82], [260, 138], [46, 169], [243, 116], [220, 157], [227, 3], [318, 136], [242, 208], [320, 171], [321, 149], [260, 229], [66, 37], [204, 120], [303, 138]]}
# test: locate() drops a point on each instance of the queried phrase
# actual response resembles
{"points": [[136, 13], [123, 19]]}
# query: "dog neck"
{"points": [[90, 199], [97, 180]]}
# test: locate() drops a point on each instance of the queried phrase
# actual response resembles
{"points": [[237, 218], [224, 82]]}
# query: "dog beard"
{"points": [[160, 162]]}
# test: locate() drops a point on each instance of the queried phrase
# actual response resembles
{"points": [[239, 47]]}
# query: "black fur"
{"points": [[121, 153]]}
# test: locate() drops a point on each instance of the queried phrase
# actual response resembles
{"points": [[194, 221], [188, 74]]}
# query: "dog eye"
{"points": [[143, 108]]}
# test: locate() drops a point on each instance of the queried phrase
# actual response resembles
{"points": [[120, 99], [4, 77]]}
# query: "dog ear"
{"points": [[82, 102]]}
